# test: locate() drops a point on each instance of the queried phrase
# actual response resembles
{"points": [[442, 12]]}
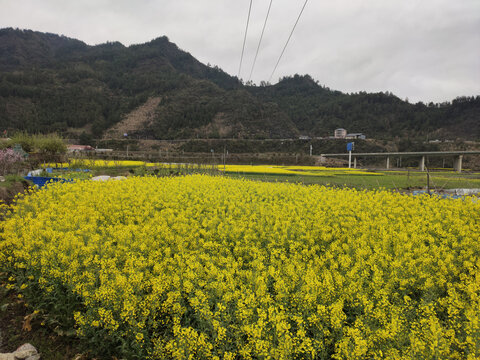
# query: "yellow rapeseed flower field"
{"points": [[236, 169], [293, 170], [93, 163], [201, 267]]}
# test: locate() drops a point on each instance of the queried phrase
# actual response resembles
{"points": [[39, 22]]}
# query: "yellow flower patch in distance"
{"points": [[328, 171], [202, 267], [293, 170], [260, 169], [236, 169], [94, 163]]}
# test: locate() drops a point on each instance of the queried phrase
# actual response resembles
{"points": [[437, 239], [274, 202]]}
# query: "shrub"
{"points": [[50, 144], [9, 160], [26, 141]]}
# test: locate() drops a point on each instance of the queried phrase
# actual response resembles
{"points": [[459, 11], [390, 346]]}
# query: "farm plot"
{"points": [[216, 268]]}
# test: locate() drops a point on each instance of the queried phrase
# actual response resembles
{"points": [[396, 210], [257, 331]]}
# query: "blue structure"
{"points": [[41, 181]]}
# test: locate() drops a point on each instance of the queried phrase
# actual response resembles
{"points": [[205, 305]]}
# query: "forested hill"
{"points": [[317, 110], [26, 49], [54, 83]]}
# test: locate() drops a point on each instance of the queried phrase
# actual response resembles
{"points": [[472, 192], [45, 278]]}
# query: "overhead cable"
{"points": [[244, 39], [260, 41], [294, 26]]}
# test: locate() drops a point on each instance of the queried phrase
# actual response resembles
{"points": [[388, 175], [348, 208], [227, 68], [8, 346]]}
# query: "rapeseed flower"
{"points": [[202, 267]]}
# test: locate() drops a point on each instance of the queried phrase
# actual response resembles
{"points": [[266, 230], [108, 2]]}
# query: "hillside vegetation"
{"points": [[54, 83], [317, 110]]}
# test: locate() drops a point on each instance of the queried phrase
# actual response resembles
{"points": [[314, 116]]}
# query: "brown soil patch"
{"points": [[135, 120], [18, 326], [220, 126], [7, 193]]}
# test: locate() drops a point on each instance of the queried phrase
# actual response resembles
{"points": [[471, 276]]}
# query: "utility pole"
{"points": [[224, 158], [428, 181]]}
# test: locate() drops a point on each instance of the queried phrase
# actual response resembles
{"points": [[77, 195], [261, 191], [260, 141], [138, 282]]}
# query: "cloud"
{"points": [[424, 50]]}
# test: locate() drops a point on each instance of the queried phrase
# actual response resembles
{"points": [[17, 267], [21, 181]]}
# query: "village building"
{"points": [[340, 133], [355, 136]]}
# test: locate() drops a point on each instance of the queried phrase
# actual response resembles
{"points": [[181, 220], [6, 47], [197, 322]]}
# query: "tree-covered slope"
{"points": [[53, 83], [317, 110]]}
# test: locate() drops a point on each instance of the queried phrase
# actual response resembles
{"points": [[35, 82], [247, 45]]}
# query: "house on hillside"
{"points": [[340, 133]]}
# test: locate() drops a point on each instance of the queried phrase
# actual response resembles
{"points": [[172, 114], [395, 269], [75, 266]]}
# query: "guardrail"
{"points": [[457, 163]]}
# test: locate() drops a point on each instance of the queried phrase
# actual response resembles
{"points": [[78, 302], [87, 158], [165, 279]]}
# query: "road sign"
{"points": [[350, 149]]}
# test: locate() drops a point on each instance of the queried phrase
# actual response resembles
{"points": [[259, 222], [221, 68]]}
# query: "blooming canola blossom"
{"points": [[203, 267]]}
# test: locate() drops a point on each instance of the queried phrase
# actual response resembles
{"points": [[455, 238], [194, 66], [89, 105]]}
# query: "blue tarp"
{"points": [[443, 196], [41, 181]]}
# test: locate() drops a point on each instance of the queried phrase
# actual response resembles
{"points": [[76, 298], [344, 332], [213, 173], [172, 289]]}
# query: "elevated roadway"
{"points": [[457, 163]]}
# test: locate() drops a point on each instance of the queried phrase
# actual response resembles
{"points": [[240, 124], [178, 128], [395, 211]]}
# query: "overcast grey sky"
{"points": [[426, 50]]}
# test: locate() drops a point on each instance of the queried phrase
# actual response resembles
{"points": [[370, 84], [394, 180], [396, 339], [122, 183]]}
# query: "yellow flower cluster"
{"points": [[240, 169], [263, 169], [295, 170], [203, 267], [93, 163]]}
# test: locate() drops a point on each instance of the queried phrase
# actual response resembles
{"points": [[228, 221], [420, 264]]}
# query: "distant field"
{"points": [[388, 179], [321, 171], [341, 177]]}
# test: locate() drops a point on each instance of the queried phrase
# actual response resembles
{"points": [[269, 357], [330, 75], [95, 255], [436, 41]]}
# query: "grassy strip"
{"points": [[392, 181]]}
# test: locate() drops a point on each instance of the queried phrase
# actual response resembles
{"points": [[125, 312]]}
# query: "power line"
{"points": [[260, 41], [296, 22], [244, 38]]}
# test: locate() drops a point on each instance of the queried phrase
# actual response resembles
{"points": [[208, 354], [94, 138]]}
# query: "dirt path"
{"points": [[134, 120], [15, 330], [7, 193]]}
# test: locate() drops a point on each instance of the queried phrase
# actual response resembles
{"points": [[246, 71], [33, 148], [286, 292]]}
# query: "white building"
{"points": [[340, 133]]}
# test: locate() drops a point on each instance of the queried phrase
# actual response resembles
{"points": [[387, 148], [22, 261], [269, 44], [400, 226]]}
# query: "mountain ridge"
{"points": [[50, 82]]}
